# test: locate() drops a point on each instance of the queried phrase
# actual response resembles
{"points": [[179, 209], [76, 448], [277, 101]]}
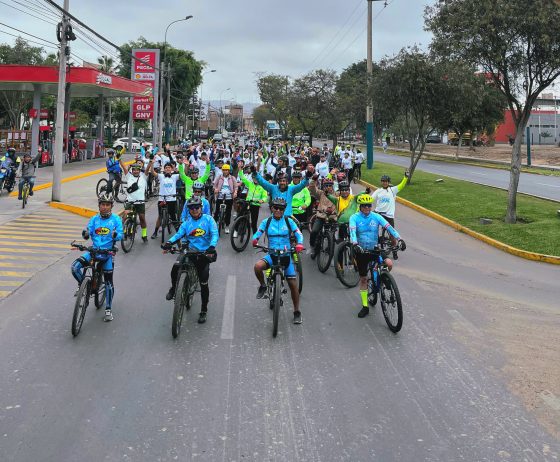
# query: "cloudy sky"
{"points": [[239, 39]]}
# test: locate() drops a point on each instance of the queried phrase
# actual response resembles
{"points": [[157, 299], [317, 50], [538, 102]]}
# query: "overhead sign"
{"points": [[144, 70], [103, 78]]}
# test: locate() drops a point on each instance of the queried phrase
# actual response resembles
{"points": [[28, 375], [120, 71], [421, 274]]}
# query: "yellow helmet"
{"points": [[225, 167], [365, 199]]}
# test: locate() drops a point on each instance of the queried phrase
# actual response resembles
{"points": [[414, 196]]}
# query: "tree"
{"points": [[261, 114], [106, 64], [274, 92], [515, 42]]}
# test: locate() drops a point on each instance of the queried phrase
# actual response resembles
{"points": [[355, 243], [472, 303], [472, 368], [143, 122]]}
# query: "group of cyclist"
{"points": [[293, 180]]}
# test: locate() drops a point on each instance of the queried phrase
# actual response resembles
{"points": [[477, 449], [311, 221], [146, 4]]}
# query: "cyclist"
{"points": [[385, 197], [198, 190], [364, 234], [192, 176], [278, 229], [282, 189], [136, 186], [167, 194], [26, 172], [105, 229], [256, 196], [225, 189], [358, 161], [113, 169], [323, 166], [301, 201], [201, 233], [326, 211], [346, 164]]}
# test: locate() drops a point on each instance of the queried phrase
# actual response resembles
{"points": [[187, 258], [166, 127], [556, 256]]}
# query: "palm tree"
{"points": [[106, 64]]}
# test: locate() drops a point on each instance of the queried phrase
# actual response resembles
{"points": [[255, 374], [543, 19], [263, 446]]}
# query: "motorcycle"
{"points": [[7, 179]]}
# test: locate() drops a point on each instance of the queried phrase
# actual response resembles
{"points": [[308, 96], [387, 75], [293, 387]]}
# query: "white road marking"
{"points": [[550, 185], [229, 308], [464, 322], [481, 174]]}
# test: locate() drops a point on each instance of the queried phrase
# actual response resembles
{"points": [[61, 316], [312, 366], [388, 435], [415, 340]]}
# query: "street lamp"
{"points": [[200, 105], [221, 109], [168, 101]]}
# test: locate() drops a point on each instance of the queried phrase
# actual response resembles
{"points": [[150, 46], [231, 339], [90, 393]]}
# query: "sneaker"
{"points": [[235, 234], [227, 230], [145, 238], [30, 193], [261, 292], [202, 317], [108, 316], [297, 317], [363, 312], [170, 294], [154, 236], [19, 198]]}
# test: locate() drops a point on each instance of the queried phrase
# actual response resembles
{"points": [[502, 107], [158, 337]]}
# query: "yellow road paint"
{"points": [[33, 237], [39, 220], [24, 257], [11, 283], [18, 225], [5, 293], [36, 244], [16, 274], [18, 249], [6, 264], [47, 233], [83, 211]]}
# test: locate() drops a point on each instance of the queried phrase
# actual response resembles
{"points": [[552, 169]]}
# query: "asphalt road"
{"points": [[336, 388]]}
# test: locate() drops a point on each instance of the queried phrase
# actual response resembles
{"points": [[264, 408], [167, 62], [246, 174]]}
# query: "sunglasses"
{"points": [[276, 207], [369, 206], [194, 207]]}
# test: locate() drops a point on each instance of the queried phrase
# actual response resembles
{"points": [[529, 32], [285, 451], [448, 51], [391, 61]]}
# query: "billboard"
{"points": [[145, 69]]}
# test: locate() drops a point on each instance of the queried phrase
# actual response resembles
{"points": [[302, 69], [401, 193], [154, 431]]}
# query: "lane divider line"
{"points": [[16, 274], [552, 259]]}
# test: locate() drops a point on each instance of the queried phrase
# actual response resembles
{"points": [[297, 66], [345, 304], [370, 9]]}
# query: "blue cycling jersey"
{"points": [[200, 234], [113, 166], [287, 195], [278, 233], [101, 230], [205, 209], [364, 229]]}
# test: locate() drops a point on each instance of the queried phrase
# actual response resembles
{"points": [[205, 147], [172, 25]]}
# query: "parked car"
{"points": [[433, 138], [136, 144], [217, 138]]}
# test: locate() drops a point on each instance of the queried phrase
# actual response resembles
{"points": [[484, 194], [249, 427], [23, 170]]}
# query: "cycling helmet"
{"points": [[226, 167], [194, 202], [27, 154], [105, 198], [193, 170], [386, 178], [327, 182], [341, 176], [278, 202], [364, 199], [343, 186], [197, 186], [136, 166], [110, 152], [296, 174], [284, 159], [12, 150]]}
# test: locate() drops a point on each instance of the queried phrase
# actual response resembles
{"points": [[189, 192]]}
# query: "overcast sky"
{"points": [[238, 39]]}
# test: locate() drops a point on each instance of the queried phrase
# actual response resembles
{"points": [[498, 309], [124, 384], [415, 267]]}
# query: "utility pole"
{"points": [[369, 110], [168, 104], [64, 51]]}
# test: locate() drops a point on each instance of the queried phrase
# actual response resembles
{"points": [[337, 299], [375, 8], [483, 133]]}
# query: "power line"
{"points": [[26, 12], [31, 7], [27, 40], [46, 9], [27, 33], [95, 45]]}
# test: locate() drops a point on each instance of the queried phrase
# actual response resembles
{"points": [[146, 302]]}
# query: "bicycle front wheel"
{"points": [[345, 265], [99, 295], [181, 294], [24, 195], [240, 234], [164, 223], [80, 307], [119, 192], [325, 254], [129, 234], [276, 294], [391, 302], [101, 188]]}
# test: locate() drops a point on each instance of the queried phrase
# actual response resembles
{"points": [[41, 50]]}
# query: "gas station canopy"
{"points": [[85, 81]]}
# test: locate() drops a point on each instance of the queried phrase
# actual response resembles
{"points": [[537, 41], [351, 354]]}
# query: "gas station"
{"points": [[81, 82]]}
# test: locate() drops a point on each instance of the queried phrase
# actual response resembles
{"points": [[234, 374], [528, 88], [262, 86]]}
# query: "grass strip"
{"points": [[538, 226]]}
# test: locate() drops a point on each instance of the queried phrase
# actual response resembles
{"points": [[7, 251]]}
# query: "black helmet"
{"points": [[194, 202], [105, 198], [343, 186], [278, 202], [12, 150], [284, 159], [386, 178], [193, 170], [110, 152], [296, 174]]}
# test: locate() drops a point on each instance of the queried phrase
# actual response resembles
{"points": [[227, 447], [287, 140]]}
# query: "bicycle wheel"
{"points": [[299, 270], [345, 265], [241, 228], [99, 295], [129, 234], [391, 302], [220, 223], [164, 223], [101, 187], [24, 195], [82, 301], [276, 294], [192, 284], [325, 254], [119, 192], [179, 304], [356, 178]]}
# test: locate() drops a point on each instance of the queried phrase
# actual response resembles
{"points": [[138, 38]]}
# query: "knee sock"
{"points": [[363, 294], [144, 232]]}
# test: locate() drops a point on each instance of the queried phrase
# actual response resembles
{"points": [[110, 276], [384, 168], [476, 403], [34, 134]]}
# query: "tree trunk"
{"points": [[511, 215]]}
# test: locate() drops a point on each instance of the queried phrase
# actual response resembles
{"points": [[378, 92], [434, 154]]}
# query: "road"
{"points": [[473, 375]]}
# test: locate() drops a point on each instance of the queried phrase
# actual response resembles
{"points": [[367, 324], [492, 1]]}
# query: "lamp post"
{"points": [[200, 104], [221, 109], [168, 99]]}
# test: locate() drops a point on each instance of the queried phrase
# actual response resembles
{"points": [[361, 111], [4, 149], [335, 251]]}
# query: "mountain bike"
{"points": [[241, 232], [165, 222], [382, 285], [345, 264], [93, 284], [129, 227], [325, 245], [275, 280], [187, 282], [221, 217], [118, 191], [357, 176], [25, 192]]}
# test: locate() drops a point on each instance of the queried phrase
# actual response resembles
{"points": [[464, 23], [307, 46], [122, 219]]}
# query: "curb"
{"points": [[481, 237], [78, 210]]}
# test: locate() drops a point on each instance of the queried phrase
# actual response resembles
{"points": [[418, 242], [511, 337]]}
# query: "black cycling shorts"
{"points": [[362, 262], [140, 209]]}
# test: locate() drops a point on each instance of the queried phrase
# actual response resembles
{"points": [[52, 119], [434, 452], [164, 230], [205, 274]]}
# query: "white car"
{"points": [[136, 144]]}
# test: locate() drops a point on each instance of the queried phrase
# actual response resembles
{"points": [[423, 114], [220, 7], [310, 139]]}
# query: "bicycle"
{"points": [[187, 282], [129, 227], [25, 192], [241, 232], [92, 284], [357, 175], [118, 191], [275, 281], [325, 245], [221, 217], [345, 264], [382, 285], [165, 221]]}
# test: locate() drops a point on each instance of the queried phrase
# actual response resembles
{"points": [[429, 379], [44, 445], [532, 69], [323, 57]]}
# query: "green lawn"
{"points": [[538, 228]]}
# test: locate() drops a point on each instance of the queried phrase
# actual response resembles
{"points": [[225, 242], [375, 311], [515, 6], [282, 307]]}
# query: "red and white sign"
{"points": [[44, 113], [144, 71]]}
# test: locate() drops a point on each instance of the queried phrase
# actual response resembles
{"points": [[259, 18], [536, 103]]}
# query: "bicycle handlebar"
{"points": [[275, 251], [94, 250]]}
